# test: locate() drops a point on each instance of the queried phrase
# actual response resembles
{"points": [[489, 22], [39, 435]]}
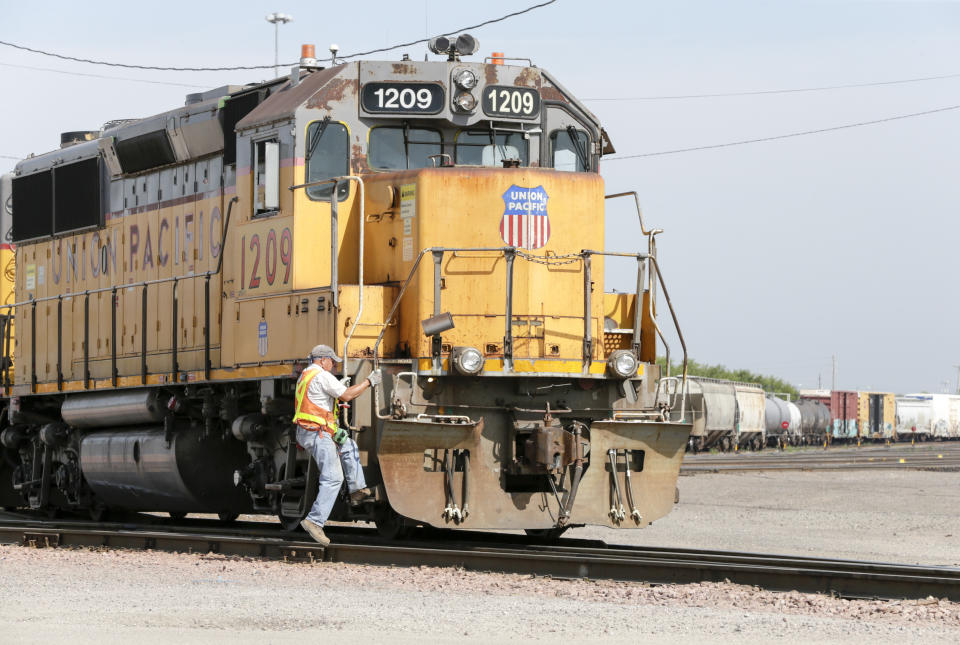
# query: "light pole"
{"points": [[277, 19]]}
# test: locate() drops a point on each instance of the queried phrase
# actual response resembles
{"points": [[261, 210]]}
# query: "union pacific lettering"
{"points": [[173, 242], [527, 200]]}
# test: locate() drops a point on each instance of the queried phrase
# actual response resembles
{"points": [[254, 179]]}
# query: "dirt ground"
{"points": [[904, 516], [108, 596]]}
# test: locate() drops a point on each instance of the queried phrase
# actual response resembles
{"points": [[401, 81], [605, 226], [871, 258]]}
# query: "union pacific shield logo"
{"points": [[525, 223]]}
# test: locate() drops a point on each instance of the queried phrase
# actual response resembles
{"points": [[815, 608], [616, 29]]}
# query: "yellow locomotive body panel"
{"points": [[462, 208]]}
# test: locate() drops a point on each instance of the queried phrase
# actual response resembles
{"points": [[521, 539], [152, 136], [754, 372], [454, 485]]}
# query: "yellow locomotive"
{"points": [[441, 220]]}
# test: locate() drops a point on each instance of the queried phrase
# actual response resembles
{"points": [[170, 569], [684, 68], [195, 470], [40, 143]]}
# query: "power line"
{"points": [[823, 88], [112, 78], [759, 140], [252, 67], [785, 136], [455, 31]]}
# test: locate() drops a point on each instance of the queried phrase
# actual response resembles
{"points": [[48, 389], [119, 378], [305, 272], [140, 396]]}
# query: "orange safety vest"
{"points": [[309, 415]]}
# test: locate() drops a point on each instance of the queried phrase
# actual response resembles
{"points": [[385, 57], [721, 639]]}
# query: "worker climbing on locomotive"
{"points": [[318, 397]]}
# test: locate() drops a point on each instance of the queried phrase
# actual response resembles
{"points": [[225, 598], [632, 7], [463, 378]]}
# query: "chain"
{"points": [[550, 260]]}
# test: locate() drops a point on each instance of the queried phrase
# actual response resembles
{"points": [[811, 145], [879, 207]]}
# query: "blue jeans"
{"points": [[332, 469]]}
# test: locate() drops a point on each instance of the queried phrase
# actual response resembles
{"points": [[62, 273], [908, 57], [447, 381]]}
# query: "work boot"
{"points": [[358, 497], [316, 532]]}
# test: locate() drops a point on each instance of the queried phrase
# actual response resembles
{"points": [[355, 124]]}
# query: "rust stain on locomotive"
{"points": [[404, 69], [333, 92], [550, 93], [359, 158], [529, 77], [491, 74]]}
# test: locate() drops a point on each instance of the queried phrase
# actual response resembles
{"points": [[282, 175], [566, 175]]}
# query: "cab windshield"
{"points": [[490, 148], [403, 147]]}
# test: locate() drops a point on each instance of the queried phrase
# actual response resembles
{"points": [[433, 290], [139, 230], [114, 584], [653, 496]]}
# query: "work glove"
{"points": [[340, 436], [375, 377]]}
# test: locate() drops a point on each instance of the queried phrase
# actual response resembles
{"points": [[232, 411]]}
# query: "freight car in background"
{"points": [[815, 421], [844, 408], [923, 417], [751, 407], [713, 404], [876, 415], [727, 415], [782, 420]]}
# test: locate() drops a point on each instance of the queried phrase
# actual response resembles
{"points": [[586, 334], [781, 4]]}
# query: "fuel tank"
{"points": [[112, 409], [136, 469]]}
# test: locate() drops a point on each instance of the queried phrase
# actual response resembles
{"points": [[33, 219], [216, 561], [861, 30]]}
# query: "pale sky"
{"points": [[777, 255]]}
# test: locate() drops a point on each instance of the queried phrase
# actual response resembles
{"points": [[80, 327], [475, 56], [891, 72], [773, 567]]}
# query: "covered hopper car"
{"points": [[726, 414], [442, 220], [928, 416]]}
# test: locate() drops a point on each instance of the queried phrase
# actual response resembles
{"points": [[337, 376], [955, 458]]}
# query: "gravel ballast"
{"points": [[110, 596]]}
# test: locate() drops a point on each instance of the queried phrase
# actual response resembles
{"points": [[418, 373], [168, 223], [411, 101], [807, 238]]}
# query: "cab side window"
{"points": [[327, 156], [487, 148], [266, 185], [569, 150], [403, 148]]}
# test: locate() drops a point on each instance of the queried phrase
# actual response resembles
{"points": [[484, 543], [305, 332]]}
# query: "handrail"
{"points": [[10, 308], [353, 328], [406, 283], [142, 283], [636, 198], [676, 325], [334, 202]]}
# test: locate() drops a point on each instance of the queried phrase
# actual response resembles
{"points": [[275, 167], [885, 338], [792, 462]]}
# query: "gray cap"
{"points": [[324, 351]]}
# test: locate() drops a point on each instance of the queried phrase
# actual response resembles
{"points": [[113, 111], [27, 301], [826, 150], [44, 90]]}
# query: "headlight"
{"points": [[465, 101], [467, 360], [622, 363], [465, 79]]}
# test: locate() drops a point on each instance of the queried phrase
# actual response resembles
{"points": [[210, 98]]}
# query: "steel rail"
{"points": [[507, 554], [873, 458]]}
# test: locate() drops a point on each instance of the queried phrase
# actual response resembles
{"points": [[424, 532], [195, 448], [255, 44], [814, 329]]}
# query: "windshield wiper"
{"points": [[317, 135], [578, 147]]}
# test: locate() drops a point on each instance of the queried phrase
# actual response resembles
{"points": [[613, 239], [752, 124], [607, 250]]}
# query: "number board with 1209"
{"points": [[511, 102], [402, 98]]}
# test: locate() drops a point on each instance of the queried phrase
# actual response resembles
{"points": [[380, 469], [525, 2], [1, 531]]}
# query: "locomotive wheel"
{"points": [[227, 517], [290, 523], [547, 535], [177, 515], [390, 524]]}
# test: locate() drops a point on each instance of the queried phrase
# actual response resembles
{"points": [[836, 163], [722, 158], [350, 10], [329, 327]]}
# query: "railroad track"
{"points": [[568, 558], [940, 457]]}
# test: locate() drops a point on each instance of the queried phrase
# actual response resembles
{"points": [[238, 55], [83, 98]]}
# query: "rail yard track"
{"points": [[569, 558], [903, 456]]}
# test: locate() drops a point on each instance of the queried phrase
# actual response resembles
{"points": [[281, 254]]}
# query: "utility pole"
{"points": [[833, 382], [277, 19], [958, 378]]}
